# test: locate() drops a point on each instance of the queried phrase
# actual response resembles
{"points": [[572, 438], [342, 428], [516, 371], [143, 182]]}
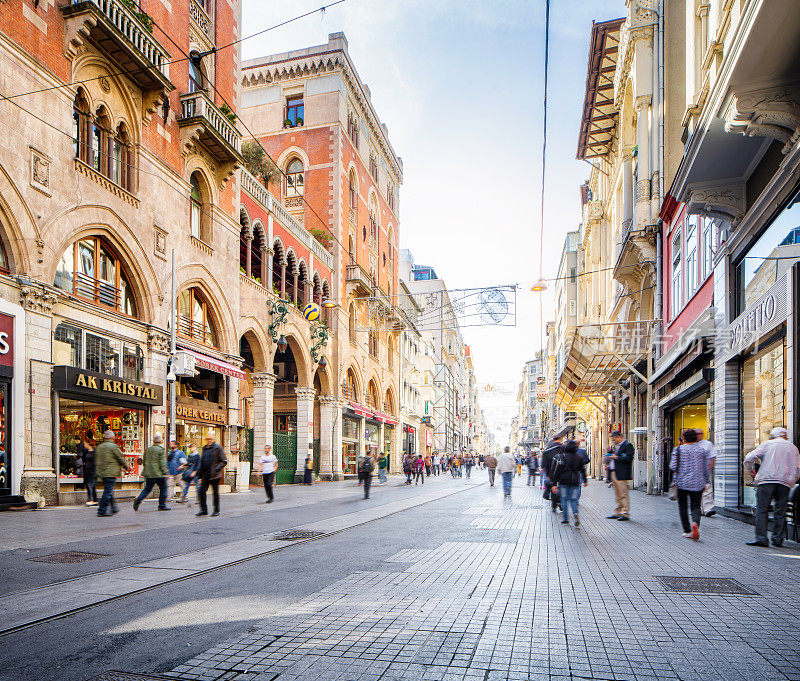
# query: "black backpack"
{"points": [[366, 466]]}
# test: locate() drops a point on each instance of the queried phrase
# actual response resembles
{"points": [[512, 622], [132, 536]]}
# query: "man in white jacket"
{"points": [[779, 470], [506, 465]]}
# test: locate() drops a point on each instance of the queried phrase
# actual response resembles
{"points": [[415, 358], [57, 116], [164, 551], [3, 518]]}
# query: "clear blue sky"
{"points": [[459, 85]]}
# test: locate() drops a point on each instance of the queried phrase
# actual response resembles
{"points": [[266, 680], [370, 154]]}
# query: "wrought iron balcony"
{"points": [[211, 127], [124, 35], [359, 277]]}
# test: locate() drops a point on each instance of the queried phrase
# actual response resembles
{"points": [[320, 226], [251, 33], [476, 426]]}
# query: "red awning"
{"points": [[220, 367], [374, 414]]}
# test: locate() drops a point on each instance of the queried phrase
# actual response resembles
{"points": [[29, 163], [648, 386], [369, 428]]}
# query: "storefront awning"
{"points": [[217, 365], [374, 414]]}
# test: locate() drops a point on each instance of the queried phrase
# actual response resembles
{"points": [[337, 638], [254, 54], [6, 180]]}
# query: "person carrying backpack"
{"points": [[551, 451], [533, 468], [365, 468], [567, 474]]}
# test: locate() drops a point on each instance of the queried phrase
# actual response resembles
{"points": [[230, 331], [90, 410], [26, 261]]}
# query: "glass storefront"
{"points": [[693, 415], [388, 437], [372, 433], [763, 383], [77, 418], [350, 440], [194, 433]]}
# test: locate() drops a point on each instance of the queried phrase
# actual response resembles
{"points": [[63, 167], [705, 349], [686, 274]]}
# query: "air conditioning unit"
{"points": [[184, 364]]}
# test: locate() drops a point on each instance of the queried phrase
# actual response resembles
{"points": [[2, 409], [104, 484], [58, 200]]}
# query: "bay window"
{"points": [[676, 298], [691, 266]]}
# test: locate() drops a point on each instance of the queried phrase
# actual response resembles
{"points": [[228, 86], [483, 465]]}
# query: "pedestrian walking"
{"points": [[533, 468], [778, 471], [419, 470], [408, 468], [469, 463], [212, 463], [621, 464], [190, 473], [176, 462], [692, 463], [568, 474], [506, 465], [707, 503], [383, 468], [154, 470], [491, 466], [519, 464], [480, 460], [308, 471], [109, 462], [550, 454], [437, 463], [365, 468], [428, 464], [453, 466], [86, 454], [269, 468]]}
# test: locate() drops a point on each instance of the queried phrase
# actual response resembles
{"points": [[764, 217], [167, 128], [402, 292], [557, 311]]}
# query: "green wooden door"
{"points": [[316, 457], [284, 445], [246, 453]]}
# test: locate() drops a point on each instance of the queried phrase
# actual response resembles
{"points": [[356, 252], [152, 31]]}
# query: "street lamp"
{"points": [[539, 286], [282, 343], [322, 362], [328, 303]]}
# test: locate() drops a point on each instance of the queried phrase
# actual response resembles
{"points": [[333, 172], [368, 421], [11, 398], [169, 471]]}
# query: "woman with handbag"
{"points": [[691, 462]]}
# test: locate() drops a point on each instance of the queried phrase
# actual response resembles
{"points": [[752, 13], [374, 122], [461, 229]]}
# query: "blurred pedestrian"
{"points": [[419, 470], [437, 463], [190, 473], [491, 466], [533, 468], [176, 462], [506, 465], [621, 462], [691, 462], [469, 463], [383, 468], [365, 468], [408, 468], [707, 503], [308, 470], [778, 471], [86, 449], [269, 469], [154, 470], [551, 453], [109, 463], [568, 473], [212, 464]]}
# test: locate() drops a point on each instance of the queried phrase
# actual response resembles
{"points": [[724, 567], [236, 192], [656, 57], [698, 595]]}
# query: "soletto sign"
{"points": [[92, 385]]}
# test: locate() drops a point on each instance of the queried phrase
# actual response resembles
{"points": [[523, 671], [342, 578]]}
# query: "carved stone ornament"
{"points": [[158, 341], [40, 171], [160, 246], [37, 299], [594, 211], [305, 393], [774, 113], [642, 190], [726, 202], [263, 380]]}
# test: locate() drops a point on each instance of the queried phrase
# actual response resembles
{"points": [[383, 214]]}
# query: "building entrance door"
{"points": [[284, 445]]}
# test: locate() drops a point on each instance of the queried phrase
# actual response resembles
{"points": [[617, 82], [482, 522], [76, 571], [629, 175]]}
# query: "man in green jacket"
{"points": [[154, 470], [109, 464]]}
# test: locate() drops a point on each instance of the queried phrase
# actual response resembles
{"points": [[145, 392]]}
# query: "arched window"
{"points": [[388, 403], [122, 159], [350, 388], [373, 344], [302, 284], [294, 178], [373, 218], [277, 267], [196, 214], [194, 318], [197, 78], [353, 194], [352, 323], [316, 294], [390, 247], [290, 277], [390, 354], [90, 270], [372, 395], [245, 237], [351, 250], [80, 127]]}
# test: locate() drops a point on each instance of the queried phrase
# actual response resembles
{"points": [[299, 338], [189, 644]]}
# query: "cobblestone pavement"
{"points": [[520, 596]]}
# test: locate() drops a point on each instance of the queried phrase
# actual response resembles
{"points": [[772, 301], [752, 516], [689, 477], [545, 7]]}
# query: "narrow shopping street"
{"points": [[449, 581]]}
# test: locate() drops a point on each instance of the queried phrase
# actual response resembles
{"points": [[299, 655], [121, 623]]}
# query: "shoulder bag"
{"points": [[673, 488]]}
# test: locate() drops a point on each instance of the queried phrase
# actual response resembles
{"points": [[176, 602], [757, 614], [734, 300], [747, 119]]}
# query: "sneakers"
{"points": [[136, 504], [202, 513], [688, 535], [565, 522], [695, 532], [577, 521], [215, 513]]}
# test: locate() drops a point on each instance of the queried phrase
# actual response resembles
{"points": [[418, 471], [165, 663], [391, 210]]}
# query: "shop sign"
{"points": [[6, 340], [205, 415], [542, 393], [94, 385], [764, 315]]}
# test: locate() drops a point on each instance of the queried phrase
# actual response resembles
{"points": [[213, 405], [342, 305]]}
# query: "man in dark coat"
{"points": [[551, 452], [212, 463], [621, 461]]}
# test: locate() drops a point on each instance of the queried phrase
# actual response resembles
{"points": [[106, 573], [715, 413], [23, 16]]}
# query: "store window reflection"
{"points": [[763, 406]]}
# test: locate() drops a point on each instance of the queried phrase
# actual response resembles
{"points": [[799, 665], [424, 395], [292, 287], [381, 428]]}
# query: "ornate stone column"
{"points": [[263, 392], [39, 482], [330, 414], [305, 428]]}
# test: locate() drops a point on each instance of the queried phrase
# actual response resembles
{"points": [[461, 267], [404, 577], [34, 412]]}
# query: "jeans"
{"points": [[107, 501], [469, 470], [569, 497], [508, 477], [453, 470], [367, 485], [408, 477], [201, 495], [382, 477], [269, 481], [419, 476], [90, 482], [149, 483], [188, 483], [491, 472], [691, 498], [766, 492], [531, 476]]}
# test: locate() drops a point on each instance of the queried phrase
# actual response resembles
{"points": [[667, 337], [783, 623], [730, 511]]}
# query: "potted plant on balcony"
{"points": [[142, 16], [228, 113], [299, 120], [288, 123], [258, 164]]}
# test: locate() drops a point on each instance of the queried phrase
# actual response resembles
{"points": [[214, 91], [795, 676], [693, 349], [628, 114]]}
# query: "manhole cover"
{"points": [[68, 557], [289, 535], [705, 585]]}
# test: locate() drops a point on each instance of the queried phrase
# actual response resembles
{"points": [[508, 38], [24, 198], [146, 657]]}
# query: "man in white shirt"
{"points": [[779, 470], [269, 466], [506, 466]]}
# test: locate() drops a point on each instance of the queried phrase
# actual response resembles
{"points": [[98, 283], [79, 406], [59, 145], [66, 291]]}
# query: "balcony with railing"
{"points": [[360, 279], [124, 34], [97, 290], [211, 127], [199, 15]]}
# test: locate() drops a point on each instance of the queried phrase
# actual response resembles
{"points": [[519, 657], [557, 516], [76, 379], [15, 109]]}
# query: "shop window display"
{"points": [[77, 417], [763, 406]]}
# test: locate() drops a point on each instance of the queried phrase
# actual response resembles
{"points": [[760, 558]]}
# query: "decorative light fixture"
{"points": [[322, 362], [282, 343], [539, 286], [328, 303]]}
